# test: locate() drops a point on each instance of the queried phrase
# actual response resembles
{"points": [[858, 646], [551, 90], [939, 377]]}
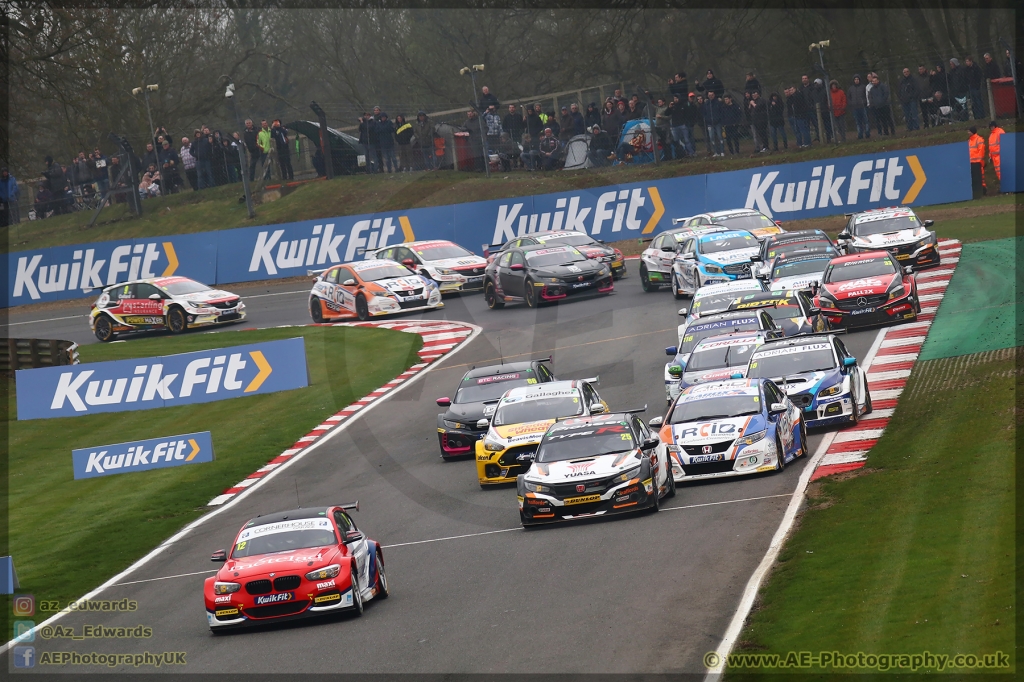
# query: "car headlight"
{"points": [[554, 280], [445, 271], [672, 449], [632, 473], [491, 445], [713, 269], [535, 487], [752, 438], [225, 588], [604, 271], [451, 424], [897, 292], [831, 390], [324, 573]]}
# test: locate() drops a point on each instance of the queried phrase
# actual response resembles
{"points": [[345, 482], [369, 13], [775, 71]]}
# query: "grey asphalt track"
{"points": [[628, 594]]}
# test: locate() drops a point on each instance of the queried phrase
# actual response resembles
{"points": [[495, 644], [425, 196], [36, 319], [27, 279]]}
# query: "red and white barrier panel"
{"points": [[888, 371], [440, 337]]}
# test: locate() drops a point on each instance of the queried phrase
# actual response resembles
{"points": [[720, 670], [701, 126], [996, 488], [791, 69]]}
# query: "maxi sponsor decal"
{"points": [[913, 177], [147, 383], [142, 455]]}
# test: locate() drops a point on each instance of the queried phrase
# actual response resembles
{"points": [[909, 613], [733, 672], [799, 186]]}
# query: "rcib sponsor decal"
{"points": [[274, 598], [705, 430]]}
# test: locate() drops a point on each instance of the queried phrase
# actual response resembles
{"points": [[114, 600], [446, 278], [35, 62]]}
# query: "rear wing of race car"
{"points": [[316, 273], [635, 410], [354, 506]]}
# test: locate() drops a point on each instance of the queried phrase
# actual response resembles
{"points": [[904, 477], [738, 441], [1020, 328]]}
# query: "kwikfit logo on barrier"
{"points": [[199, 377], [614, 211], [322, 247], [155, 453], [87, 272], [870, 181]]}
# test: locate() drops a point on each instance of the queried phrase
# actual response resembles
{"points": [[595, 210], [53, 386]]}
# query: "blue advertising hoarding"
{"points": [[162, 381], [142, 455], [1011, 145], [792, 191]]}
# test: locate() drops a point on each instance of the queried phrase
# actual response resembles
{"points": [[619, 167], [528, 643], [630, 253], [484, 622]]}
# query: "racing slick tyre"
{"points": [[362, 309], [104, 329], [357, 597], [803, 436], [671, 486], [780, 455], [867, 399], [656, 505], [382, 578], [176, 322], [645, 280], [316, 311], [675, 288], [855, 417], [530, 295], [491, 296]]}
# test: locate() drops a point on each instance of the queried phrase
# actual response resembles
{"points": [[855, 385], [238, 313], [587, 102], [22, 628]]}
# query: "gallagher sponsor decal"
{"points": [[155, 453], [163, 381]]}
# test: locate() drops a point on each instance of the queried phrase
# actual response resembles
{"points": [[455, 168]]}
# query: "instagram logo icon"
{"points": [[24, 605]]}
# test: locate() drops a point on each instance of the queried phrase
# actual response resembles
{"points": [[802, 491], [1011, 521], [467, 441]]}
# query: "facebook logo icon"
{"points": [[24, 656]]}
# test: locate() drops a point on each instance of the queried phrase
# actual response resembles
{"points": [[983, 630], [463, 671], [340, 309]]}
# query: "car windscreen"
{"points": [[482, 389], [745, 222], [714, 408], [383, 272], [441, 251], [894, 224], [585, 442], [784, 311], [558, 255], [185, 287], [860, 269], [567, 238], [700, 330], [715, 303], [801, 267], [284, 536], [706, 358], [728, 244], [536, 409], [784, 362]]}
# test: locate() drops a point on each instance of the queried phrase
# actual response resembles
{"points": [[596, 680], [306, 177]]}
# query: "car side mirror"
{"points": [[929, 223], [683, 311], [349, 282], [755, 258], [649, 443], [352, 536], [482, 423], [675, 371], [813, 311], [688, 256], [777, 408], [844, 235], [656, 422], [154, 297], [849, 362], [668, 248], [220, 556], [779, 223], [518, 267], [907, 269], [599, 241], [444, 402], [671, 350], [409, 262], [597, 408]]}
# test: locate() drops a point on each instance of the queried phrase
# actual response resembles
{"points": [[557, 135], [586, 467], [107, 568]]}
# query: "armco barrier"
{"points": [[18, 354], [922, 176], [163, 381]]}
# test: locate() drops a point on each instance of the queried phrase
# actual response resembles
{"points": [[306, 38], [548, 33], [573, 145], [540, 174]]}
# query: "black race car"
{"points": [[584, 243], [540, 274], [475, 399], [793, 243], [792, 311]]}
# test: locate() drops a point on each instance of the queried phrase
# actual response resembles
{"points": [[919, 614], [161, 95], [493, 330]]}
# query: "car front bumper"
{"points": [[630, 496]]}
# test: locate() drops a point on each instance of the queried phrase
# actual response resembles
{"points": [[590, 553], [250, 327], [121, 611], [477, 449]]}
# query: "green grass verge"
{"points": [[219, 209], [68, 536], [916, 553]]}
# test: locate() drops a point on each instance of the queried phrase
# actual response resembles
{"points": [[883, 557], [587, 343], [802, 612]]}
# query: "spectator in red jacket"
{"points": [[838, 108]]}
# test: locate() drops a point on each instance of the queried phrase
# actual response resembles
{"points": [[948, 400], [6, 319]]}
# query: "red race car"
{"points": [[295, 564], [867, 289]]}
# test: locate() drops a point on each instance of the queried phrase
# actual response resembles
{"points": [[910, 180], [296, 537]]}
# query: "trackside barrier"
{"points": [[913, 177], [18, 354]]}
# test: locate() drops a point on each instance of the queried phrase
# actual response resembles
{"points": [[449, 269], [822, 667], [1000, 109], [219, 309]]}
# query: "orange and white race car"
{"points": [[162, 303], [368, 289]]}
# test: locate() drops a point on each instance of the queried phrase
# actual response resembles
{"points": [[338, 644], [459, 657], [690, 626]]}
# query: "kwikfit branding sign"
{"points": [[914, 177], [144, 384], [143, 455]]}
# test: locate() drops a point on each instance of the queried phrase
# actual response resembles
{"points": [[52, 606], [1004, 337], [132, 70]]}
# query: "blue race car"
{"points": [[712, 257], [731, 428], [818, 374], [719, 358]]}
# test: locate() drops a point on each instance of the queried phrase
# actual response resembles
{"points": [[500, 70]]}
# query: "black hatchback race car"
{"points": [[541, 274], [476, 397], [792, 310]]}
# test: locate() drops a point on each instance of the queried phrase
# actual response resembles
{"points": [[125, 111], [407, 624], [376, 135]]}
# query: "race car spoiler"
{"points": [[635, 410], [354, 506]]}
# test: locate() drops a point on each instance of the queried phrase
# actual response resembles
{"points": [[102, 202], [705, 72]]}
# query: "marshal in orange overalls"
{"points": [[993, 148], [976, 146]]}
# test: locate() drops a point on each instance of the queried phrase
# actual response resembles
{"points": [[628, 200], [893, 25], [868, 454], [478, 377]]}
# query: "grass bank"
{"points": [[68, 536], [219, 209]]}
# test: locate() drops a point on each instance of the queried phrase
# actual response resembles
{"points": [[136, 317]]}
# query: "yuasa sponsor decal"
{"points": [[579, 469], [273, 598]]}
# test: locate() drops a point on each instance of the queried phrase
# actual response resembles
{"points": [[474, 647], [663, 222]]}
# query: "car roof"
{"points": [[155, 281], [768, 296], [883, 210], [729, 213], [731, 285], [548, 387], [803, 340], [723, 315], [307, 513], [369, 264], [713, 386], [801, 257], [709, 236], [491, 370], [583, 420], [796, 236], [866, 255], [737, 336]]}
